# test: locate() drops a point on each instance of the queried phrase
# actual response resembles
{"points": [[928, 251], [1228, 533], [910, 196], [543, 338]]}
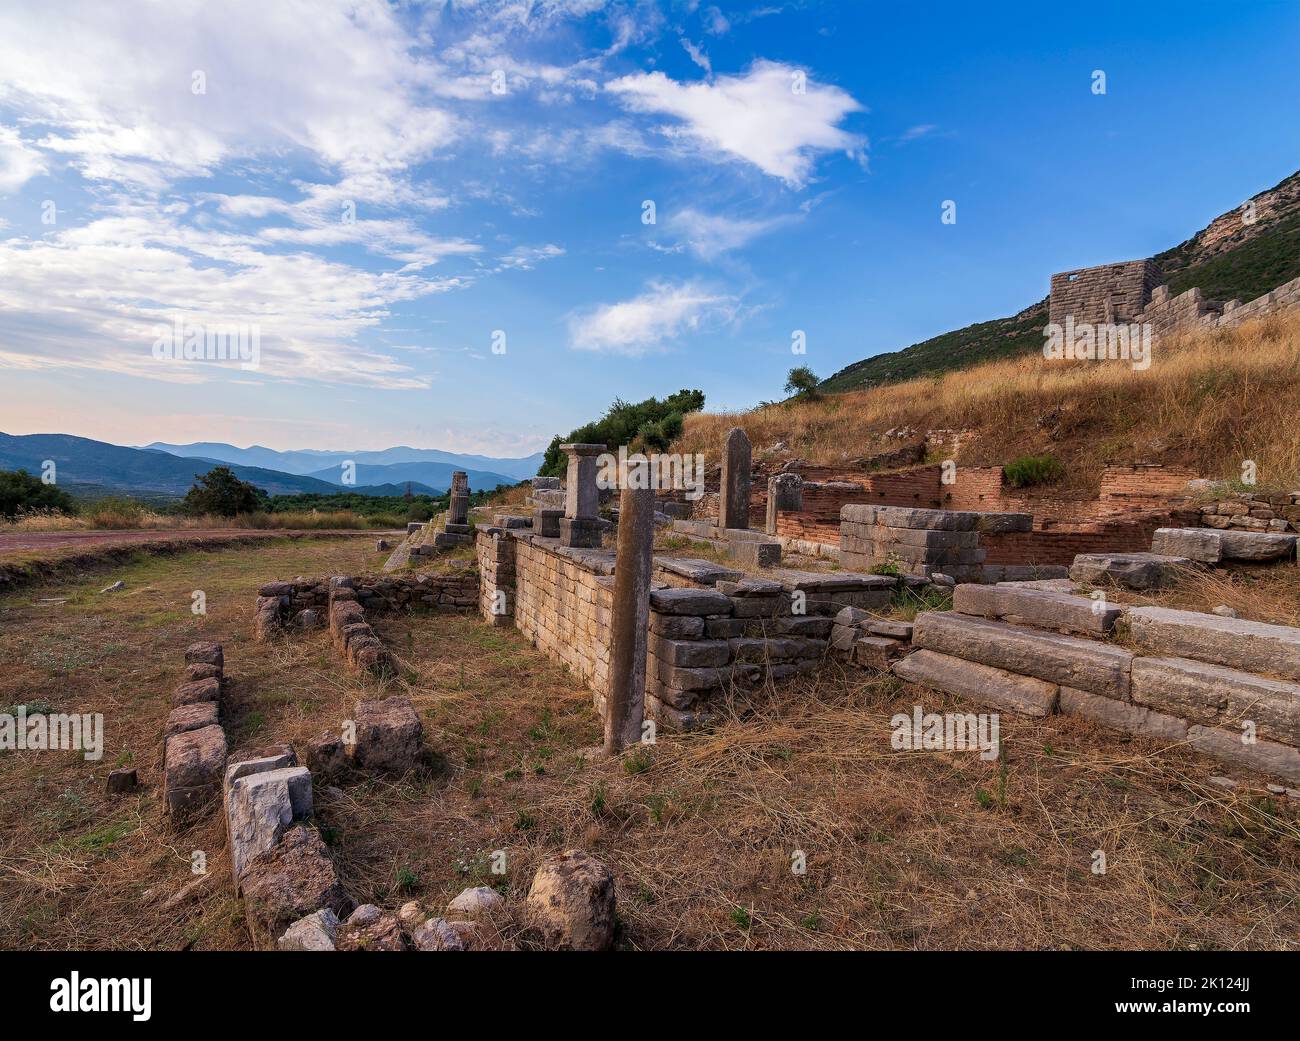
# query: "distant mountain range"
{"points": [[96, 467], [1226, 259]]}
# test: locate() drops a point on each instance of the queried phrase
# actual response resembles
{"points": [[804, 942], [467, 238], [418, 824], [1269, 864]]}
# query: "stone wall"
{"points": [[1107, 293], [1253, 511]]}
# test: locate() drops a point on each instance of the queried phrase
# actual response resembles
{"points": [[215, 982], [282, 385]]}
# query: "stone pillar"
{"points": [[581, 525], [625, 701], [733, 511], [458, 510], [784, 495]]}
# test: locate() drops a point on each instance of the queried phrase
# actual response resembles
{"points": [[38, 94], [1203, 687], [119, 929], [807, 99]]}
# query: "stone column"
{"points": [[784, 494], [581, 524], [733, 511], [458, 510], [625, 701]]}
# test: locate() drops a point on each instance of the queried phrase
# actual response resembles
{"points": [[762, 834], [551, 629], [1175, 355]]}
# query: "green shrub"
{"points": [[19, 490], [1033, 469], [651, 425]]}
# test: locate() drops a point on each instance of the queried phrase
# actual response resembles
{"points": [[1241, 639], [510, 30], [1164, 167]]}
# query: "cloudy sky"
{"points": [[471, 224]]}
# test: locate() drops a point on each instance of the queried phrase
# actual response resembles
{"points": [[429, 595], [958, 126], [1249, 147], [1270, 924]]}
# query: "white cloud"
{"points": [[18, 163], [757, 117], [917, 132], [648, 321], [698, 56], [709, 235]]}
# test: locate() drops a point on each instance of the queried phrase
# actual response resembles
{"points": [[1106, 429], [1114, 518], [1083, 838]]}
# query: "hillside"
{"points": [[435, 476], [80, 461], [1201, 404], [1227, 259]]}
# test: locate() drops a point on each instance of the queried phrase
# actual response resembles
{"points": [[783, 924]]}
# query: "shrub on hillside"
{"points": [[221, 494], [19, 490], [1033, 469], [651, 425], [802, 382]]}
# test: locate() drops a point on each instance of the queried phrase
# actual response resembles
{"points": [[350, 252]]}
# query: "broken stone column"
{"points": [[581, 524], [625, 702], [458, 510], [784, 495], [733, 510]]}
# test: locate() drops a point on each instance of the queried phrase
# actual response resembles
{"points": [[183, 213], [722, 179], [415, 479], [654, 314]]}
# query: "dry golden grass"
{"points": [[904, 850], [129, 516], [1210, 400]]}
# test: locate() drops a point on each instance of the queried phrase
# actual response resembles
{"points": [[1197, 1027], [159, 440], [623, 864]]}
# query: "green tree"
{"points": [[802, 382], [650, 425], [221, 494], [19, 490]]}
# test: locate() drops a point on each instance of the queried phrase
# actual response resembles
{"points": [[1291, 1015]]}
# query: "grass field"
{"points": [[902, 850]]}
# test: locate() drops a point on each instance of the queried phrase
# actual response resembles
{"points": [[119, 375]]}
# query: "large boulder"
{"points": [[389, 735], [571, 903]]}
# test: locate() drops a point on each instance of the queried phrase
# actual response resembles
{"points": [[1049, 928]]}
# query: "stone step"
{"points": [[935, 520], [1212, 695], [1089, 665], [1214, 546], [1045, 609], [1255, 647], [980, 683]]}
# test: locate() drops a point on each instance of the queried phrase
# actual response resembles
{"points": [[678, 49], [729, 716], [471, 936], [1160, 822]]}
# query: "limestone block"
{"points": [[1268, 757], [192, 765], [1131, 570], [1045, 609], [1217, 696], [196, 691], [690, 602], [260, 808], [979, 683], [571, 903], [389, 735], [1201, 544], [1135, 719], [193, 716], [1234, 642]]}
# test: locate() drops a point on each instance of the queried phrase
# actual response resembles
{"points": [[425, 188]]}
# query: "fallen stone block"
{"points": [[980, 683], [389, 735], [1266, 757], [1135, 719], [1256, 546], [876, 652], [1137, 571], [571, 903], [192, 765], [291, 880], [1239, 644], [260, 808], [122, 780], [1096, 667], [327, 755], [315, 932], [703, 572], [1044, 609], [1201, 544], [1216, 696]]}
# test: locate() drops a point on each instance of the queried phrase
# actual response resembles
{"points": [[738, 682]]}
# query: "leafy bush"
{"points": [[1033, 469], [651, 425], [802, 382], [220, 493], [19, 490]]}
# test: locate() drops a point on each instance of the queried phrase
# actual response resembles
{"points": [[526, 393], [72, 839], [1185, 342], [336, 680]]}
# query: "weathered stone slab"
{"points": [[1268, 757], [194, 716], [196, 691], [1216, 696], [1135, 719], [889, 627], [750, 587], [676, 627], [1045, 609], [260, 808], [875, 652], [980, 683], [691, 653], [935, 520], [192, 766], [389, 735], [689, 601], [1089, 665], [1239, 644], [1201, 544], [705, 572], [1131, 570], [1257, 546], [292, 879]]}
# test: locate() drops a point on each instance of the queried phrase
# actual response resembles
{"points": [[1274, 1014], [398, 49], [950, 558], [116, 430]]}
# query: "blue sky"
{"points": [[497, 158]]}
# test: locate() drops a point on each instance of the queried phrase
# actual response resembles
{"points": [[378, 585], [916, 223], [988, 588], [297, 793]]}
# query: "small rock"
{"points": [[436, 934], [1224, 611], [308, 619], [1277, 789], [366, 914], [316, 932], [1223, 782], [571, 902], [411, 915], [374, 931], [120, 781], [940, 579], [474, 902], [381, 545], [114, 587]]}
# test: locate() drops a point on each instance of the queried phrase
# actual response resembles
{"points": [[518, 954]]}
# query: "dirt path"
{"points": [[26, 542]]}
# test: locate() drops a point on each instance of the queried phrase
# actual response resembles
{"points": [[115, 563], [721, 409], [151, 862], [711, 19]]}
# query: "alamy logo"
{"points": [[658, 470], [41, 731], [197, 341], [949, 732], [1105, 342], [75, 994]]}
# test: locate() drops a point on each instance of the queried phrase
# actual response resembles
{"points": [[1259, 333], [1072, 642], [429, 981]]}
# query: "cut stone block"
{"points": [[260, 808], [979, 683], [1239, 644], [1267, 757], [192, 766], [1130, 570], [889, 627], [195, 716], [676, 626], [206, 652], [292, 879], [704, 572], [196, 691], [689, 602], [692, 653], [1042, 608], [876, 652], [1257, 546], [389, 735], [1089, 665], [1201, 544], [1216, 696], [1135, 719]]}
